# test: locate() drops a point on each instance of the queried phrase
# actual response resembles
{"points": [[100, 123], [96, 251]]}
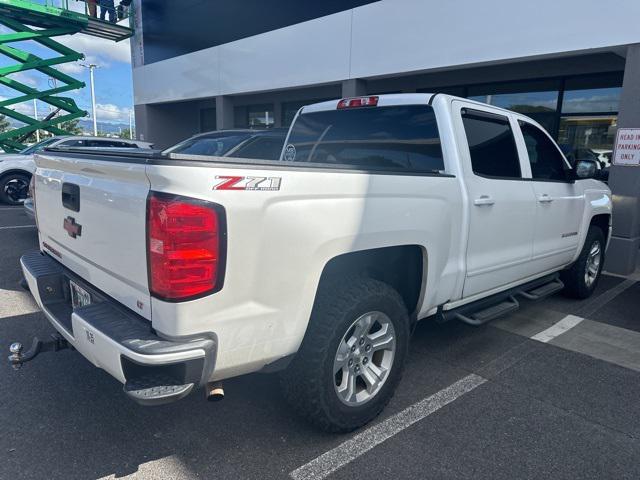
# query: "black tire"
{"points": [[14, 188], [575, 280], [309, 383]]}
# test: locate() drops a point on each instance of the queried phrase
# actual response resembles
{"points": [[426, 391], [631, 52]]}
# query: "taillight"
{"points": [[185, 247], [358, 102]]}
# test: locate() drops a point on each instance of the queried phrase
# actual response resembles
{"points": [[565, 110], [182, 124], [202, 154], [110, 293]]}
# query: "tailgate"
{"points": [[91, 217]]}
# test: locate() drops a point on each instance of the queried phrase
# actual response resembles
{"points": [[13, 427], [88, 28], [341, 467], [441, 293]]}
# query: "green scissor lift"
{"points": [[41, 22]]}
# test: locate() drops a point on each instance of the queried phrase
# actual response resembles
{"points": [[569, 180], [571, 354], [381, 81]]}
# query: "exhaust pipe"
{"points": [[214, 391]]}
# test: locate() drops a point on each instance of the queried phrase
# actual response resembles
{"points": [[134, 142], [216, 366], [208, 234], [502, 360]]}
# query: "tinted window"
{"points": [[109, 144], [208, 146], [73, 143], [266, 148], [39, 146], [391, 138], [545, 158], [491, 144]]}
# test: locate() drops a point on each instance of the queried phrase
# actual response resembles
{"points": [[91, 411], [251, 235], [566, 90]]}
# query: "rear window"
{"points": [[398, 138]]}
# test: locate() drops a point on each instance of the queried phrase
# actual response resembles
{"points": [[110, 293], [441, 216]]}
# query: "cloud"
{"points": [[28, 79], [98, 50], [109, 113], [23, 108], [73, 68]]}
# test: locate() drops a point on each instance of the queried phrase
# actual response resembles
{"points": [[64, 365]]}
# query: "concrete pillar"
{"points": [[354, 87], [224, 113], [142, 128], [624, 181]]}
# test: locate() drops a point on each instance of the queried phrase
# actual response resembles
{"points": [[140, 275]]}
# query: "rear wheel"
{"points": [[352, 356], [14, 188], [582, 278]]}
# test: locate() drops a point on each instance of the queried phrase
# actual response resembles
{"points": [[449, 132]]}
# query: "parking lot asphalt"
{"points": [[550, 391]]}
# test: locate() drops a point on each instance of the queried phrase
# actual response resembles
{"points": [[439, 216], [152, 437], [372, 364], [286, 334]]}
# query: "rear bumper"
{"points": [[117, 340]]}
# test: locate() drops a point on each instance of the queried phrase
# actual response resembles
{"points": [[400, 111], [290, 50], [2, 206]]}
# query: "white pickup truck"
{"points": [[177, 272]]}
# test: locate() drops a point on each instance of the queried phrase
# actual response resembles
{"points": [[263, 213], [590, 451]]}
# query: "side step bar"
{"points": [[481, 317], [544, 291], [490, 308]]}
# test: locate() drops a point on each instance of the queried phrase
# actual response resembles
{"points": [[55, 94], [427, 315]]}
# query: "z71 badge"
{"points": [[247, 183]]}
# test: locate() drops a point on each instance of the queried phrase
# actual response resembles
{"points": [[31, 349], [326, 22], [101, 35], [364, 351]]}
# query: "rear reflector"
{"points": [[357, 102], [185, 245]]}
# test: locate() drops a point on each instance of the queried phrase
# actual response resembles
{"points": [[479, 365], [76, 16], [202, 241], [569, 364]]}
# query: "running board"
{"points": [[490, 308], [544, 291], [481, 317]]}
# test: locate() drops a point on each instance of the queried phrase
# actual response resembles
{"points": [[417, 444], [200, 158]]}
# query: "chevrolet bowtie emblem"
{"points": [[73, 229]]}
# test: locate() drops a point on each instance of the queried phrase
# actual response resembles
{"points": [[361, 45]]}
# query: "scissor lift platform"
{"points": [[41, 23], [50, 17]]}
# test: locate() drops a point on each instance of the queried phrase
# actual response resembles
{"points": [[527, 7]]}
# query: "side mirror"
{"points": [[585, 169]]}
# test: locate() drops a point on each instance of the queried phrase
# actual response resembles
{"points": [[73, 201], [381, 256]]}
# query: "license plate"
{"points": [[79, 296]]}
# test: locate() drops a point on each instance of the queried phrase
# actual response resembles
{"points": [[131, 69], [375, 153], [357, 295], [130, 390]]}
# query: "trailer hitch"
{"points": [[54, 344]]}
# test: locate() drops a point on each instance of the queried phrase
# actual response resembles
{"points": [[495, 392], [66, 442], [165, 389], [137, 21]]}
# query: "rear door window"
{"points": [[491, 144], [396, 138]]}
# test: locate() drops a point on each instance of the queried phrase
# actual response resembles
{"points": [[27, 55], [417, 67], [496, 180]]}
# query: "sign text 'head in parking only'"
{"points": [[627, 149]]}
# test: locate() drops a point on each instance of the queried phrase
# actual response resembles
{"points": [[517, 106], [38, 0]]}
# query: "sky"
{"points": [[114, 91]]}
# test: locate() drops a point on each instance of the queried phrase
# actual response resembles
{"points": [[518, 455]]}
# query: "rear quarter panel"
{"points": [[278, 243]]}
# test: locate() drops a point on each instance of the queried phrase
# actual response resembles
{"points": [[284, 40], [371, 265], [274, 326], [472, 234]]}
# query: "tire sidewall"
{"points": [[395, 310], [594, 235], [3, 183]]}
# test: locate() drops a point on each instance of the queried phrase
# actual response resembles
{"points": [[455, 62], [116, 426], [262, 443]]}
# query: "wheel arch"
{"points": [[403, 267], [15, 170], [603, 221]]}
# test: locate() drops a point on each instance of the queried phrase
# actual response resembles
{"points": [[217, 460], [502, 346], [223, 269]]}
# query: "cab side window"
{"points": [[545, 158], [491, 144]]}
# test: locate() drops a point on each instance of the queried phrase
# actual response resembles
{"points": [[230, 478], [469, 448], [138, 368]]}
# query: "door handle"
{"points": [[544, 198], [484, 200]]}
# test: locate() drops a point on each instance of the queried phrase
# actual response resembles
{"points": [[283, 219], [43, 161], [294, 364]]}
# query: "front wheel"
{"points": [[14, 188], [582, 278], [352, 356]]}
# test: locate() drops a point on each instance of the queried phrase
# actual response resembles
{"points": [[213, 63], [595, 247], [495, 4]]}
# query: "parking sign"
{"points": [[627, 149]]}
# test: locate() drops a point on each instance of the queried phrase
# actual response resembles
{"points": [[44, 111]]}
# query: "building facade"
{"points": [[574, 66]]}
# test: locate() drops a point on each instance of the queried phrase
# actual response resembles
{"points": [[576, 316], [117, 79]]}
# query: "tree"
{"points": [[126, 133], [71, 127], [4, 124]]}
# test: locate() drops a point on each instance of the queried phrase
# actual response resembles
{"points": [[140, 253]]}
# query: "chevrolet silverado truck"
{"points": [[177, 272]]}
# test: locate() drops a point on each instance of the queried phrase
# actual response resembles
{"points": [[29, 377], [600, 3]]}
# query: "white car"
{"points": [[175, 273], [16, 169]]}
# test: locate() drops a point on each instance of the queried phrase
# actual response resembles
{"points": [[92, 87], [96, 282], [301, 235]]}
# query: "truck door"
{"points": [[559, 202], [501, 200]]}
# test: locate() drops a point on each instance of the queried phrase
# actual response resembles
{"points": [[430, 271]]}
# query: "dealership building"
{"points": [[572, 65]]}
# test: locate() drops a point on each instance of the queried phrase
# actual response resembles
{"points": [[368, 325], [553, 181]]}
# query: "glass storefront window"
{"points": [[591, 100], [208, 120], [260, 116], [527, 102], [588, 138]]}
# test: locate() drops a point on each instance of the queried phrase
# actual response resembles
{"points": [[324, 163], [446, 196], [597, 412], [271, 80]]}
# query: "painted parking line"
{"points": [[329, 462], [14, 303], [591, 305], [17, 226], [563, 326]]}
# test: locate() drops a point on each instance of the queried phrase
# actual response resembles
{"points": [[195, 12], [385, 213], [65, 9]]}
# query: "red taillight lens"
{"points": [[185, 244], [357, 102]]}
